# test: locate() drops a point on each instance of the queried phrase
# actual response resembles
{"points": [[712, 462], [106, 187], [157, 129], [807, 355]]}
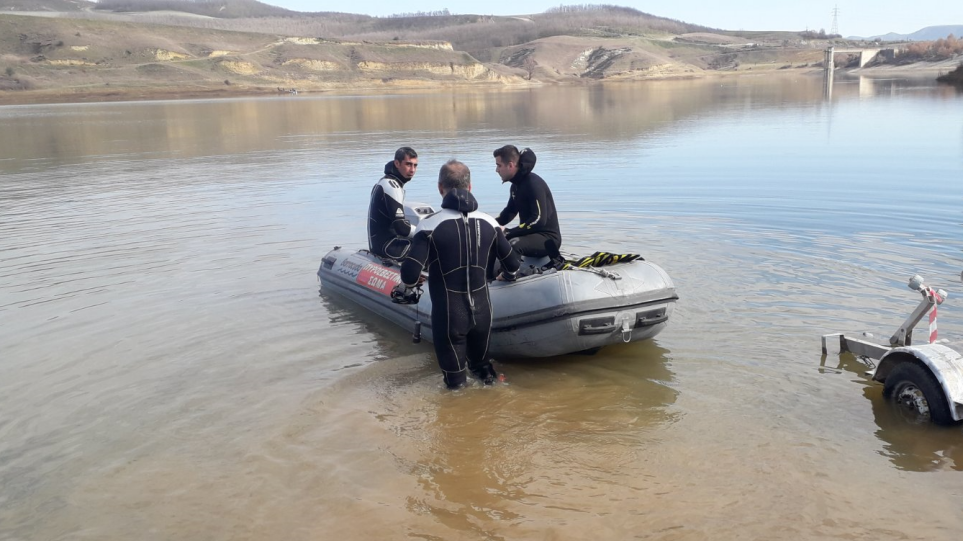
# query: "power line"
{"points": [[835, 28]]}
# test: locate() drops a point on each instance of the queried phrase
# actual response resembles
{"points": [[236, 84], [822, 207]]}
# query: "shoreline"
{"points": [[66, 96], [162, 93], [73, 95]]}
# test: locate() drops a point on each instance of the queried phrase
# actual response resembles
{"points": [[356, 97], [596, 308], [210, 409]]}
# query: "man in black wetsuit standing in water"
{"points": [[388, 229], [458, 244], [537, 233]]}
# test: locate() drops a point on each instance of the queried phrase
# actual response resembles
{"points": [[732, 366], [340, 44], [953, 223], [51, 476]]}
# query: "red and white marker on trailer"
{"points": [[924, 382]]}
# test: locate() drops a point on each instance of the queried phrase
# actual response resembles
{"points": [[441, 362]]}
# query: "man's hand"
{"points": [[402, 294]]}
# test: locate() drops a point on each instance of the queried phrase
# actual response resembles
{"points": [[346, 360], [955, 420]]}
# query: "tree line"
{"points": [[442, 13], [941, 49]]}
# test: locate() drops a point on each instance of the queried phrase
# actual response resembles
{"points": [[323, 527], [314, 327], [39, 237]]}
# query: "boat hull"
{"points": [[542, 315]]}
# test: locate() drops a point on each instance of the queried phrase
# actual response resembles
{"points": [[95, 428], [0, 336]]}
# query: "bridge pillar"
{"points": [[867, 56], [830, 67]]}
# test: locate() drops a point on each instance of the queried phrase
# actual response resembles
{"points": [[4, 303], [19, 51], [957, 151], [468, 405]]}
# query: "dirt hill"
{"points": [[103, 59], [77, 52]]}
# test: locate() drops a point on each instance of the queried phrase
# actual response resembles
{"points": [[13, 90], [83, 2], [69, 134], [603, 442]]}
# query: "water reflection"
{"points": [[909, 446], [639, 369], [389, 340], [914, 447], [503, 461], [848, 86], [44, 136], [160, 324], [589, 420]]}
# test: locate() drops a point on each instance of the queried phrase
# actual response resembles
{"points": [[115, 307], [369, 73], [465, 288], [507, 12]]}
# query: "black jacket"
{"points": [[530, 200], [386, 213]]}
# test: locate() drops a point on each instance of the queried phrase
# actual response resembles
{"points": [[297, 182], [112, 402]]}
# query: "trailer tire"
{"points": [[917, 393]]}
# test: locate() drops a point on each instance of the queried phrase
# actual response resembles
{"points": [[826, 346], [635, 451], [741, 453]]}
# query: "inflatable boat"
{"points": [[547, 313]]}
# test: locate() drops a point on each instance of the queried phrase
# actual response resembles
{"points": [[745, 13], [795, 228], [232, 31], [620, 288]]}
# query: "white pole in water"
{"points": [[830, 66]]}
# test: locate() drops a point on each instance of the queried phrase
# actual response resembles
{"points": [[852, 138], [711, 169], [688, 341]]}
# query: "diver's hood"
{"points": [[461, 200], [526, 162]]}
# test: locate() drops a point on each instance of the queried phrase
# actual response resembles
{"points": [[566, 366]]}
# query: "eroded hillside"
{"points": [[104, 57], [89, 53]]}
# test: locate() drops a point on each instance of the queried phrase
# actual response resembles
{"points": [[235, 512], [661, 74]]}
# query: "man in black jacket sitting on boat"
{"points": [[388, 229], [458, 244], [537, 233]]}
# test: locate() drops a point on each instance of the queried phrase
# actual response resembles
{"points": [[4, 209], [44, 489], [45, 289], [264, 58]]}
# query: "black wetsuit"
{"points": [[388, 229], [458, 245], [537, 233]]}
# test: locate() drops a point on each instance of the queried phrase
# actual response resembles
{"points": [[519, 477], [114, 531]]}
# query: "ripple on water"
{"points": [[166, 353]]}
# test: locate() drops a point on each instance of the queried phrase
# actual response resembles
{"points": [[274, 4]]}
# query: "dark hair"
{"points": [[405, 152], [508, 153], [454, 174]]}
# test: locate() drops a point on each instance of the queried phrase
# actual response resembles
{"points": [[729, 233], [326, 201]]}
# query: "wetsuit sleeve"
{"points": [[535, 205], [394, 200], [505, 253], [401, 226], [416, 258], [509, 213]]}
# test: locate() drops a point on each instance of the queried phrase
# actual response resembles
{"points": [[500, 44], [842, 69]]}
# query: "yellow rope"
{"points": [[601, 259]]}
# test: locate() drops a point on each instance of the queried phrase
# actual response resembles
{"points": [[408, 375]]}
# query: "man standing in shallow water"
{"points": [[458, 244], [388, 229]]}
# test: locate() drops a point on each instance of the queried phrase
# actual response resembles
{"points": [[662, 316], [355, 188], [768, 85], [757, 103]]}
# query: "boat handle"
{"points": [[652, 317], [599, 325]]}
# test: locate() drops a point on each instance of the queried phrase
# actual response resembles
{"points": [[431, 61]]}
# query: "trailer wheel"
{"points": [[917, 394]]}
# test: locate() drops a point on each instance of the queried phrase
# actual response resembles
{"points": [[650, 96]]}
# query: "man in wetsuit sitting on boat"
{"points": [[538, 233], [388, 229], [458, 244]]}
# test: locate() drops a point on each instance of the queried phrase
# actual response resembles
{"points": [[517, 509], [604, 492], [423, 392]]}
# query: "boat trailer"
{"points": [[924, 381]]}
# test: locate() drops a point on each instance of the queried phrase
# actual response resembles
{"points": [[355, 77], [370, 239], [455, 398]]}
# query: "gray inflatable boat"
{"points": [[541, 315]]}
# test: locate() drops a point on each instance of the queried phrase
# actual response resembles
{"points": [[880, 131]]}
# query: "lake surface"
{"points": [[169, 370]]}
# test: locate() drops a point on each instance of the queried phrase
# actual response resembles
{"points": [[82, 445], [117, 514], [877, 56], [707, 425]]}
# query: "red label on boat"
{"points": [[378, 278]]}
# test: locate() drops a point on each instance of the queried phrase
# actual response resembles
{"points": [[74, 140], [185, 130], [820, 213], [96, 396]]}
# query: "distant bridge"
{"points": [[865, 55]]}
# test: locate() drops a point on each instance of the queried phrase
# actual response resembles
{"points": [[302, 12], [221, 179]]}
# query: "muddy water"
{"points": [[169, 371]]}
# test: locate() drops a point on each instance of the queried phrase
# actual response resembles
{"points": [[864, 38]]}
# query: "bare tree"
{"points": [[529, 65]]}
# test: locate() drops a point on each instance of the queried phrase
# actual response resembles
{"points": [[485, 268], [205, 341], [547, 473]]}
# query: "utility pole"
{"points": [[835, 28]]}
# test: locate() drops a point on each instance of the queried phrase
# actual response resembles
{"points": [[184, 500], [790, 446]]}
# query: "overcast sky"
{"points": [[856, 17]]}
